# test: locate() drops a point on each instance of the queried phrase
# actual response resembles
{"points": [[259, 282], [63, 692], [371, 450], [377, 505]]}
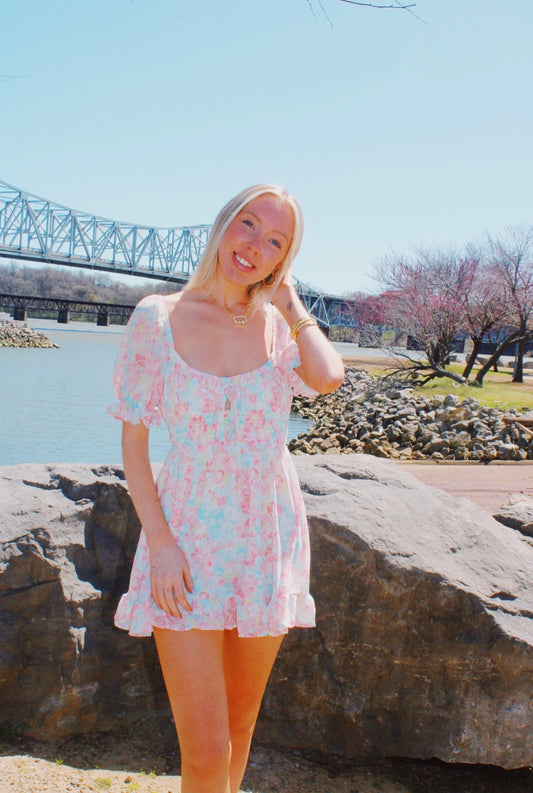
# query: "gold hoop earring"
{"points": [[270, 281]]}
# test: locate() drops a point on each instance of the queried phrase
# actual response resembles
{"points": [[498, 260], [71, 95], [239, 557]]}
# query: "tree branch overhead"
{"points": [[395, 6]]}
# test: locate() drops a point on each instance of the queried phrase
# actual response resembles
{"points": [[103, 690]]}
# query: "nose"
{"points": [[254, 242]]}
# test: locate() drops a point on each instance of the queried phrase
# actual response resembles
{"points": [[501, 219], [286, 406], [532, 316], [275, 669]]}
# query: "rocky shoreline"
{"points": [[18, 334], [388, 419]]}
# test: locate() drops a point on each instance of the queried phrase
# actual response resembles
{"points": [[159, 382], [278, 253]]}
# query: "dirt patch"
{"points": [[370, 362], [147, 761], [490, 486]]}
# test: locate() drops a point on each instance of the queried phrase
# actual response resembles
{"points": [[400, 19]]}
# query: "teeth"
{"points": [[244, 262]]}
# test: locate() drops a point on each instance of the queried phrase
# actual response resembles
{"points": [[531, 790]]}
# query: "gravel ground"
{"points": [[147, 762], [269, 772]]}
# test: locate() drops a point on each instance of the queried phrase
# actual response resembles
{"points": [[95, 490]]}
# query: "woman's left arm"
{"points": [[322, 368]]}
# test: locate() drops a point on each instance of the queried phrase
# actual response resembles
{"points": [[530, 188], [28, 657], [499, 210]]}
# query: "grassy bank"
{"points": [[497, 389]]}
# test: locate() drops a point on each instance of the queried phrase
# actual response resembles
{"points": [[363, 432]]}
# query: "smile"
{"points": [[244, 263]]}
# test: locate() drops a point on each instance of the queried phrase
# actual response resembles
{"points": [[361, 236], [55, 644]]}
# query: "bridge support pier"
{"points": [[63, 317], [103, 318], [20, 314]]}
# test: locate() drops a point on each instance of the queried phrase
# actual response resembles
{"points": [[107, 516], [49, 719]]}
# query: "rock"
{"points": [[450, 400], [461, 439], [329, 443], [518, 514], [506, 451], [435, 445], [423, 646], [424, 638], [18, 334], [68, 534]]}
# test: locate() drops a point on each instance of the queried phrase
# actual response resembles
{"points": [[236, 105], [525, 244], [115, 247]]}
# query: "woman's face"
{"points": [[256, 241]]}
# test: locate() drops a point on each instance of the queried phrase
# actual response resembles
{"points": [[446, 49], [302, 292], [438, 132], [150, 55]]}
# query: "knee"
{"points": [[209, 758], [242, 724]]}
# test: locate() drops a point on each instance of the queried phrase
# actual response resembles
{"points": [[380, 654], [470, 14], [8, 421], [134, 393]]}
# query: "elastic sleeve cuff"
{"points": [[134, 414], [290, 361]]}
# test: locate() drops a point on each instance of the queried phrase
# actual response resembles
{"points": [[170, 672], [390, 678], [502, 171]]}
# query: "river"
{"points": [[53, 402]]}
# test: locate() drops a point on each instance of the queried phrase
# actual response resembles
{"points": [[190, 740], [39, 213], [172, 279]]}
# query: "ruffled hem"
{"points": [[289, 611], [134, 414]]}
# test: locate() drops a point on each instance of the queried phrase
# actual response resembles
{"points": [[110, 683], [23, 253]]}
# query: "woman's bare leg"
{"points": [[193, 668], [215, 682], [247, 666]]}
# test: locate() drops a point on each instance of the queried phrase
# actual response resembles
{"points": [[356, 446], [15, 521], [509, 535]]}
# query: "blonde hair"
{"points": [[205, 272]]}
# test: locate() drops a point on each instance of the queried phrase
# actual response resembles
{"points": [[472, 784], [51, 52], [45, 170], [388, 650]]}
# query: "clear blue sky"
{"points": [[393, 133]]}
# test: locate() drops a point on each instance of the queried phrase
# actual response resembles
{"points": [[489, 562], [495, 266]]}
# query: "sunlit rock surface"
{"points": [[423, 646]]}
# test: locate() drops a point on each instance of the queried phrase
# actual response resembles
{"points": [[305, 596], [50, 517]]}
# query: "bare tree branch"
{"points": [[397, 6], [417, 371], [409, 11], [310, 4], [5, 77]]}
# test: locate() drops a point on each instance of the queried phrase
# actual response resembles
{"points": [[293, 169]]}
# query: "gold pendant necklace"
{"points": [[239, 320]]}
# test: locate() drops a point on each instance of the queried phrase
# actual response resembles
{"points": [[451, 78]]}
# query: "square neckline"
{"points": [[172, 345]]}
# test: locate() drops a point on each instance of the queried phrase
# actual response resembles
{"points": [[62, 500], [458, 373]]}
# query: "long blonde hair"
{"points": [[205, 272]]}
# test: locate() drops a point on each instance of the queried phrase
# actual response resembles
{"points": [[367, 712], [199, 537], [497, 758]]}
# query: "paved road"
{"points": [[489, 486]]}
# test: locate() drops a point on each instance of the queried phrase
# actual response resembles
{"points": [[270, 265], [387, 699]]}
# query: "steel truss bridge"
{"points": [[34, 229], [20, 304]]}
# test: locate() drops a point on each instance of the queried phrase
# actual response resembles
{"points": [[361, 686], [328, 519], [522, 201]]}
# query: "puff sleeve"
{"points": [[287, 357], [138, 373]]}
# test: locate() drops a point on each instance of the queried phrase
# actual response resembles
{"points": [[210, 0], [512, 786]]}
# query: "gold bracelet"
{"points": [[297, 327]]}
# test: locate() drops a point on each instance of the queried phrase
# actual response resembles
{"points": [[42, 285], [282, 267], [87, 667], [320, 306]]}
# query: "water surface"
{"points": [[53, 402]]}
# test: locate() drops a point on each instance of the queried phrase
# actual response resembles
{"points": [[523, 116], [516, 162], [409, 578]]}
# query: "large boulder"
{"points": [[423, 646], [424, 638], [67, 538]]}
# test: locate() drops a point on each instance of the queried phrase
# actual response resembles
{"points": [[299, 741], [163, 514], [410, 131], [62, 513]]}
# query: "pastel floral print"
{"points": [[228, 487]]}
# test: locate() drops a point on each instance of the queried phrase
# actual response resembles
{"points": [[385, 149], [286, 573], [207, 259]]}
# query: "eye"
{"points": [[248, 222], [277, 243]]}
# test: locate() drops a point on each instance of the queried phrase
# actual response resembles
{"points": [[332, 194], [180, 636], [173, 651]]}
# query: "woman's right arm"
{"points": [[169, 570]]}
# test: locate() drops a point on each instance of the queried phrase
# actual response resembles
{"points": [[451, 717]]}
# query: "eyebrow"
{"points": [[276, 231]]}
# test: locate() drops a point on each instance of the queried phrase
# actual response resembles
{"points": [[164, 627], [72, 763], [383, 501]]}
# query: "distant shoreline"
{"points": [[52, 326]]}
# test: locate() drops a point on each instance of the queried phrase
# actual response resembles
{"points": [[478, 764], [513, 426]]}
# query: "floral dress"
{"points": [[227, 487]]}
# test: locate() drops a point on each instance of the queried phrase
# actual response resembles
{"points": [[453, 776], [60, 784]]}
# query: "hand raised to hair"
{"points": [[284, 292], [170, 576], [286, 300]]}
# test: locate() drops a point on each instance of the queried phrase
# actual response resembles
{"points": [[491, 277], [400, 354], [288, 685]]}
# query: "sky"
{"points": [[394, 131]]}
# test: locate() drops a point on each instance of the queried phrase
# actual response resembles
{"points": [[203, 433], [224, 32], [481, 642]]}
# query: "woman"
{"points": [[222, 567]]}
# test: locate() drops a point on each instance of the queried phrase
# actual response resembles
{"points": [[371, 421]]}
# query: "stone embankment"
{"points": [[17, 334], [388, 419]]}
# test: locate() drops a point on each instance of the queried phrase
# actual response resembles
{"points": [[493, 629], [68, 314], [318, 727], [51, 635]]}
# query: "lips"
{"points": [[243, 264]]}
